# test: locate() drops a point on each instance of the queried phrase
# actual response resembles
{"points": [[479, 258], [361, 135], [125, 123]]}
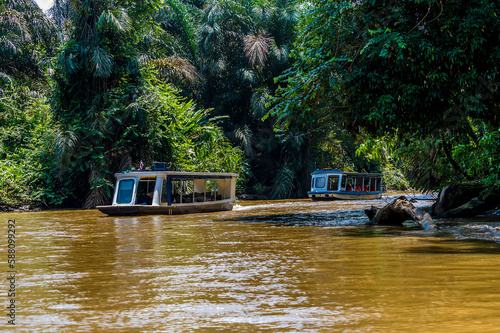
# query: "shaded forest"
{"points": [[271, 89]]}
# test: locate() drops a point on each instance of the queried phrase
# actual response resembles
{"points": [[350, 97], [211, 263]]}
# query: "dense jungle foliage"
{"points": [[271, 89]]}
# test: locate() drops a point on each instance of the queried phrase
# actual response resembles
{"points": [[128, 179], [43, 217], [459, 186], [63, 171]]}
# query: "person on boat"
{"points": [[144, 199], [349, 188]]}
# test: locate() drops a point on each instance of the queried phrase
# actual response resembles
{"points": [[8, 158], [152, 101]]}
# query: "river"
{"points": [[277, 266]]}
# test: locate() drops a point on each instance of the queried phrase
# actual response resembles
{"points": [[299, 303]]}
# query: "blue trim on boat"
{"points": [[343, 192], [340, 172]]}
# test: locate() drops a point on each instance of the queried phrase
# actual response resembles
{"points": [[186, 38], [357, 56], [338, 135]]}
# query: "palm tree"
{"points": [[62, 12], [172, 51], [26, 34], [243, 46], [114, 110], [97, 77]]}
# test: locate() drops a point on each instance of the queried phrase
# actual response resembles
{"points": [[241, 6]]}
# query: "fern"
{"points": [[284, 183]]}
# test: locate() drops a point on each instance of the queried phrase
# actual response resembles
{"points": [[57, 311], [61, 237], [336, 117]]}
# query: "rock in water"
{"points": [[400, 210], [455, 195]]}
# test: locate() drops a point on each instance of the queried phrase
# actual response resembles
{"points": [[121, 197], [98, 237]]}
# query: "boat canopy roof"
{"points": [[176, 174], [339, 172]]}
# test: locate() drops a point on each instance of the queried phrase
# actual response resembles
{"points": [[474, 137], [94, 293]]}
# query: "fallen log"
{"points": [[398, 211]]}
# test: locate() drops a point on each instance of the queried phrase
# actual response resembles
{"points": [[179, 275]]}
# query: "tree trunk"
{"points": [[450, 159], [398, 211]]}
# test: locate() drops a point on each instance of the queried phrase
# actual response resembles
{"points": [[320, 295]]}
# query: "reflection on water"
{"points": [[286, 266]]}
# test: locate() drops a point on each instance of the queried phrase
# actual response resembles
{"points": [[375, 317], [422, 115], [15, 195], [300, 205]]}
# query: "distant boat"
{"points": [[328, 184], [163, 192]]}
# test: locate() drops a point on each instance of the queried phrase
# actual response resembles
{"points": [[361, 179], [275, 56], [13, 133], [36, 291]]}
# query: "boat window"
{"points": [[343, 183], [372, 184], [164, 192], [212, 189], [333, 183], [358, 184], [349, 184], [196, 190], [320, 182], [125, 191], [366, 184], [183, 191], [145, 191]]}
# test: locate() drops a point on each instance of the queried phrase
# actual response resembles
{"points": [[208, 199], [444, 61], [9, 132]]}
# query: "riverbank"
{"points": [[20, 209]]}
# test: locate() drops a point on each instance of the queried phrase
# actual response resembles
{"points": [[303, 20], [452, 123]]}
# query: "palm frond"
{"points": [[281, 54], [68, 62], [258, 102], [216, 66], [99, 192], [101, 62], [256, 48], [213, 13], [182, 18], [11, 21], [62, 12], [114, 20], [98, 196], [8, 48], [133, 67], [266, 141], [262, 13], [175, 67], [5, 79], [125, 162], [210, 36], [284, 183], [244, 136], [66, 143], [288, 16], [294, 139], [249, 76]]}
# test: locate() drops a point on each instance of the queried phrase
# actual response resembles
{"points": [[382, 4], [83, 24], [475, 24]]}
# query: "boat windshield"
{"points": [[320, 182], [125, 191]]}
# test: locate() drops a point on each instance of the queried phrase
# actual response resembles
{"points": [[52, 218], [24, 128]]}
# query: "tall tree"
{"points": [[174, 53], [97, 77], [112, 110], [414, 69], [29, 172], [26, 35], [243, 45]]}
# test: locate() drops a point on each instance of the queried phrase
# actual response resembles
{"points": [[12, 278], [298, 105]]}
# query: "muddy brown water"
{"points": [[277, 266]]}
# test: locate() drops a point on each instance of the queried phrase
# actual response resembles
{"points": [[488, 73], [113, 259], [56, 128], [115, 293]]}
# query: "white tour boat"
{"points": [[160, 191]]}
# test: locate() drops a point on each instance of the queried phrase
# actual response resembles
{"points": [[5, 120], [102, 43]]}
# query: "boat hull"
{"points": [[174, 209], [341, 195]]}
